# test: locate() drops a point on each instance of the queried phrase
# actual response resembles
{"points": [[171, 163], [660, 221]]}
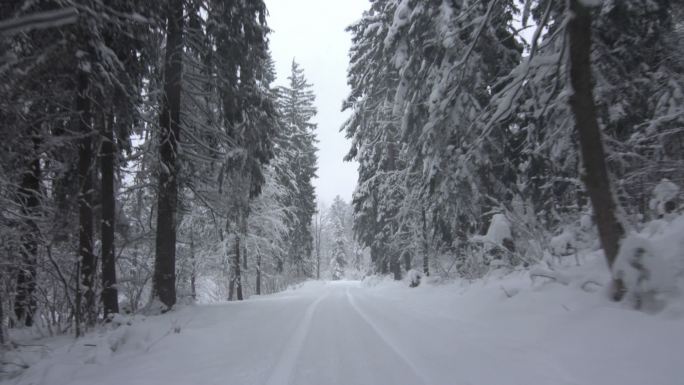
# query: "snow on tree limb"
{"points": [[38, 20]]}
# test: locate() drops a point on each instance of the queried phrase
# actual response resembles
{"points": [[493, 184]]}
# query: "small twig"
{"points": [[551, 277]]}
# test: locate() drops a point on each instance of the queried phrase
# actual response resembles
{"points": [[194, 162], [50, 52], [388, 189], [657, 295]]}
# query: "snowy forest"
{"points": [[150, 163]]}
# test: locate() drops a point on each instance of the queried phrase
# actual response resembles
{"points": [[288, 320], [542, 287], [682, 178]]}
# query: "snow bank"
{"points": [[125, 336], [560, 319]]}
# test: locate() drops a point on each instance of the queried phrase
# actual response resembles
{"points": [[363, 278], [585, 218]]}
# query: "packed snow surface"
{"points": [[505, 329]]}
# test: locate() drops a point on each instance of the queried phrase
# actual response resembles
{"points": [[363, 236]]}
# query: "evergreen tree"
{"points": [[299, 148], [374, 132], [422, 76], [338, 257]]}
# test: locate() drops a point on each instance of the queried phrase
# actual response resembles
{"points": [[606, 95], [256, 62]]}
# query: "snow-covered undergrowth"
{"points": [[58, 357]]}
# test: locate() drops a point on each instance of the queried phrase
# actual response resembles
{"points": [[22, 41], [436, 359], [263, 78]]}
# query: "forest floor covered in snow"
{"points": [[511, 328]]}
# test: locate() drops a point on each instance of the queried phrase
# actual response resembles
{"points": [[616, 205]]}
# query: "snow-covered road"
{"points": [[344, 333]]}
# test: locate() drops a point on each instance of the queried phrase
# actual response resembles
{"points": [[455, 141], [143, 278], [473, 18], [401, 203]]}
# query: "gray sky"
{"points": [[312, 32]]}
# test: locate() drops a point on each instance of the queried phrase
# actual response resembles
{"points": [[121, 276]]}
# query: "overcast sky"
{"points": [[312, 32]]}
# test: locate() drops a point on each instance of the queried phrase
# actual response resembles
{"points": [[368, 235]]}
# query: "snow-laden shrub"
{"points": [[564, 243], [337, 268], [646, 275], [664, 200], [499, 231], [573, 237], [494, 249], [413, 277]]}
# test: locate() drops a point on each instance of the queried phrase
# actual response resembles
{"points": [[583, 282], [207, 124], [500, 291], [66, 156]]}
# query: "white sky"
{"points": [[312, 32]]}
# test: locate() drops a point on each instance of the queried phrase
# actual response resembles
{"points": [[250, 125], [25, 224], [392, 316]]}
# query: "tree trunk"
{"points": [[317, 233], [236, 267], [426, 257], [193, 273], [395, 265], [595, 172], [29, 199], [244, 254], [2, 319], [258, 274], [78, 304], [85, 199], [164, 285], [231, 286], [110, 295]]}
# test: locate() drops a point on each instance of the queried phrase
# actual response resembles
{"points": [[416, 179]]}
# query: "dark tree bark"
{"points": [[236, 267], [317, 242], [244, 256], [110, 295], [395, 265], [258, 274], [29, 198], [2, 317], [426, 257], [231, 286], [78, 301], [193, 273], [164, 286], [85, 198], [595, 174]]}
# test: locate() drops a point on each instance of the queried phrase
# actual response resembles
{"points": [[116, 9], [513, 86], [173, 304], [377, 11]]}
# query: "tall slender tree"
{"points": [[297, 110], [595, 173], [110, 297], [169, 136], [85, 194]]}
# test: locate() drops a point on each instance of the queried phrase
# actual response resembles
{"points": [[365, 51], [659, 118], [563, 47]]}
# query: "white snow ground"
{"points": [[505, 329]]}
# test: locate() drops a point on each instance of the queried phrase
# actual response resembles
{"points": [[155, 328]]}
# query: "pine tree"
{"points": [[338, 257], [299, 148], [249, 113], [375, 135], [422, 76]]}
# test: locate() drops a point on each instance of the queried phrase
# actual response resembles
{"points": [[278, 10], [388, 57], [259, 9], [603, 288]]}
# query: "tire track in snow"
{"points": [[283, 370], [388, 341]]}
